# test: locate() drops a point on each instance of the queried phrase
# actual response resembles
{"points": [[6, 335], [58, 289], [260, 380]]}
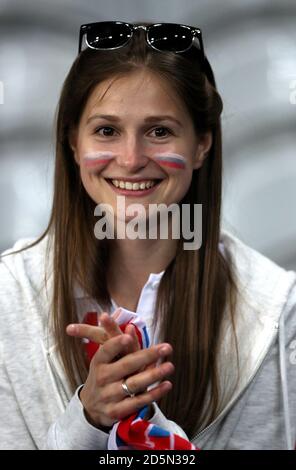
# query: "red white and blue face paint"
{"points": [[171, 160], [94, 160]]}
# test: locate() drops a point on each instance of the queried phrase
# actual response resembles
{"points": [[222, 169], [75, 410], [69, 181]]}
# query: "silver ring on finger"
{"points": [[126, 390]]}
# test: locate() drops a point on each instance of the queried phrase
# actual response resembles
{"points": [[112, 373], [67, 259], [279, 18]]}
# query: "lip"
{"points": [[132, 180], [130, 192]]}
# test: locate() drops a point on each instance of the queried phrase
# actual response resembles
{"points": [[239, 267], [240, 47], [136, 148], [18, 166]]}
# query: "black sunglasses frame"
{"points": [[195, 33]]}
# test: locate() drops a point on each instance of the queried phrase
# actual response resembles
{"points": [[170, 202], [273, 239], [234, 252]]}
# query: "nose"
{"points": [[132, 155]]}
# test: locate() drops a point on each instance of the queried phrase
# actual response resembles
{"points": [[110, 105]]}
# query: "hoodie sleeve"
{"points": [[72, 431], [15, 435], [31, 415]]}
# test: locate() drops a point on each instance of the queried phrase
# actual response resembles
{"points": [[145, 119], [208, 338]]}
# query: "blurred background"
{"points": [[251, 45]]}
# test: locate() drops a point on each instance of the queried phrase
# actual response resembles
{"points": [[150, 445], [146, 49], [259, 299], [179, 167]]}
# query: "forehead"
{"points": [[140, 89]]}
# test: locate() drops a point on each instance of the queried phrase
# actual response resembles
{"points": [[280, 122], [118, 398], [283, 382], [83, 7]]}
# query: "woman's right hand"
{"points": [[104, 400]]}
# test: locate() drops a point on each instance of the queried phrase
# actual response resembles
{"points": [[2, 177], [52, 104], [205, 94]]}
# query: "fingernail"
{"points": [[167, 385], [72, 328], [164, 351]]}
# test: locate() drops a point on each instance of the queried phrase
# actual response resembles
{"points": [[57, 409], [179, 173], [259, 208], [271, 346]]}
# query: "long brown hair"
{"points": [[197, 286]]}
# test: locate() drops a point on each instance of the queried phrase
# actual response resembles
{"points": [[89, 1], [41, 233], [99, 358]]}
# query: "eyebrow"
{"points": [[111, 117]]}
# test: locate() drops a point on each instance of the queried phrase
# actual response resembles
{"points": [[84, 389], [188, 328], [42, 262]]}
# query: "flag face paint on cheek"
{"points": [[93, 160], [96, 159], [172, 160]]}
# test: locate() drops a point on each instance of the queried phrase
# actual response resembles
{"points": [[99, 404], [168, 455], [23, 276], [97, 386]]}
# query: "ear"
{"points": [[204, 144], [73, 143]]}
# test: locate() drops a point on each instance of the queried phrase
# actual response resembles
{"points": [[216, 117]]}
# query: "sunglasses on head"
{"points": [[110, 35]]}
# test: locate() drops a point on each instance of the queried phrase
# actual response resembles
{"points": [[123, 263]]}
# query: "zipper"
{"points": [[226, 409], [235, 399]]}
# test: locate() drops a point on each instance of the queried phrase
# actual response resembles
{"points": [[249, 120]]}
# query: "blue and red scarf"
{"points": [[134, 432]]}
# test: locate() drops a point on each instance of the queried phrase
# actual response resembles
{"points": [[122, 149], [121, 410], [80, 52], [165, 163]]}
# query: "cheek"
{"points": [[94, 161], [87, 181], [91, 183], [178, 167], [185, 182], [178, 185], [170, 160]]}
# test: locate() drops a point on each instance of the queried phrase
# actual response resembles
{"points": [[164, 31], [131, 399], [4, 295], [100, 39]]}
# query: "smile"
{"points": [[139, 187]]}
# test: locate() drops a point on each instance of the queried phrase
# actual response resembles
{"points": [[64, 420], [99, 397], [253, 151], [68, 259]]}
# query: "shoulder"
{"points": [[24, 276], [25, 261], [264, 282]]}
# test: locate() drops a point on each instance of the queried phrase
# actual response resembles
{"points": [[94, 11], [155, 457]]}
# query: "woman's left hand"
{"points": [[108, 329]]}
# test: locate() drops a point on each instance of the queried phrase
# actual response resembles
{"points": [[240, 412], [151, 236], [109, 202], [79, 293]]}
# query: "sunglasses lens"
{"points": [[170, 37], [108, 35]]}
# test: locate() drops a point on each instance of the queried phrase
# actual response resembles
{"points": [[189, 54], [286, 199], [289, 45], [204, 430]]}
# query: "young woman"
{"points": [[202, 346]]}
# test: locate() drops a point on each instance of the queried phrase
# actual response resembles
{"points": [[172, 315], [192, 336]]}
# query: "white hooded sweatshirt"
{"points": [[258, 411]]}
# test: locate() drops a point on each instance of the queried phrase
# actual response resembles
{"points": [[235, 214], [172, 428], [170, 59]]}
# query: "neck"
{"points": [[131, 263]]}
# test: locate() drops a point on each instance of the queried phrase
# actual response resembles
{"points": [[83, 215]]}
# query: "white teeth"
{"points": [[133, 186]]}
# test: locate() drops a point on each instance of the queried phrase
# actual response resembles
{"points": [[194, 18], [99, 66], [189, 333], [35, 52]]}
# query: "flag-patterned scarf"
{"points": [[134, 432]]}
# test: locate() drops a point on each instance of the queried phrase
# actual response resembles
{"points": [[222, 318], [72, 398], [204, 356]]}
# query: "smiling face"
{"points": [[136, 139]]}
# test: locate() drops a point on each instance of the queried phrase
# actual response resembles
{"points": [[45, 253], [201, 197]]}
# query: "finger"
{"points": [[111, 349], [156, 364], [129, 406], [136, 361], [137, 383], [96, 334], [140, 382], [131, 330], [112, 329], [110, 325], [135, 346]]}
